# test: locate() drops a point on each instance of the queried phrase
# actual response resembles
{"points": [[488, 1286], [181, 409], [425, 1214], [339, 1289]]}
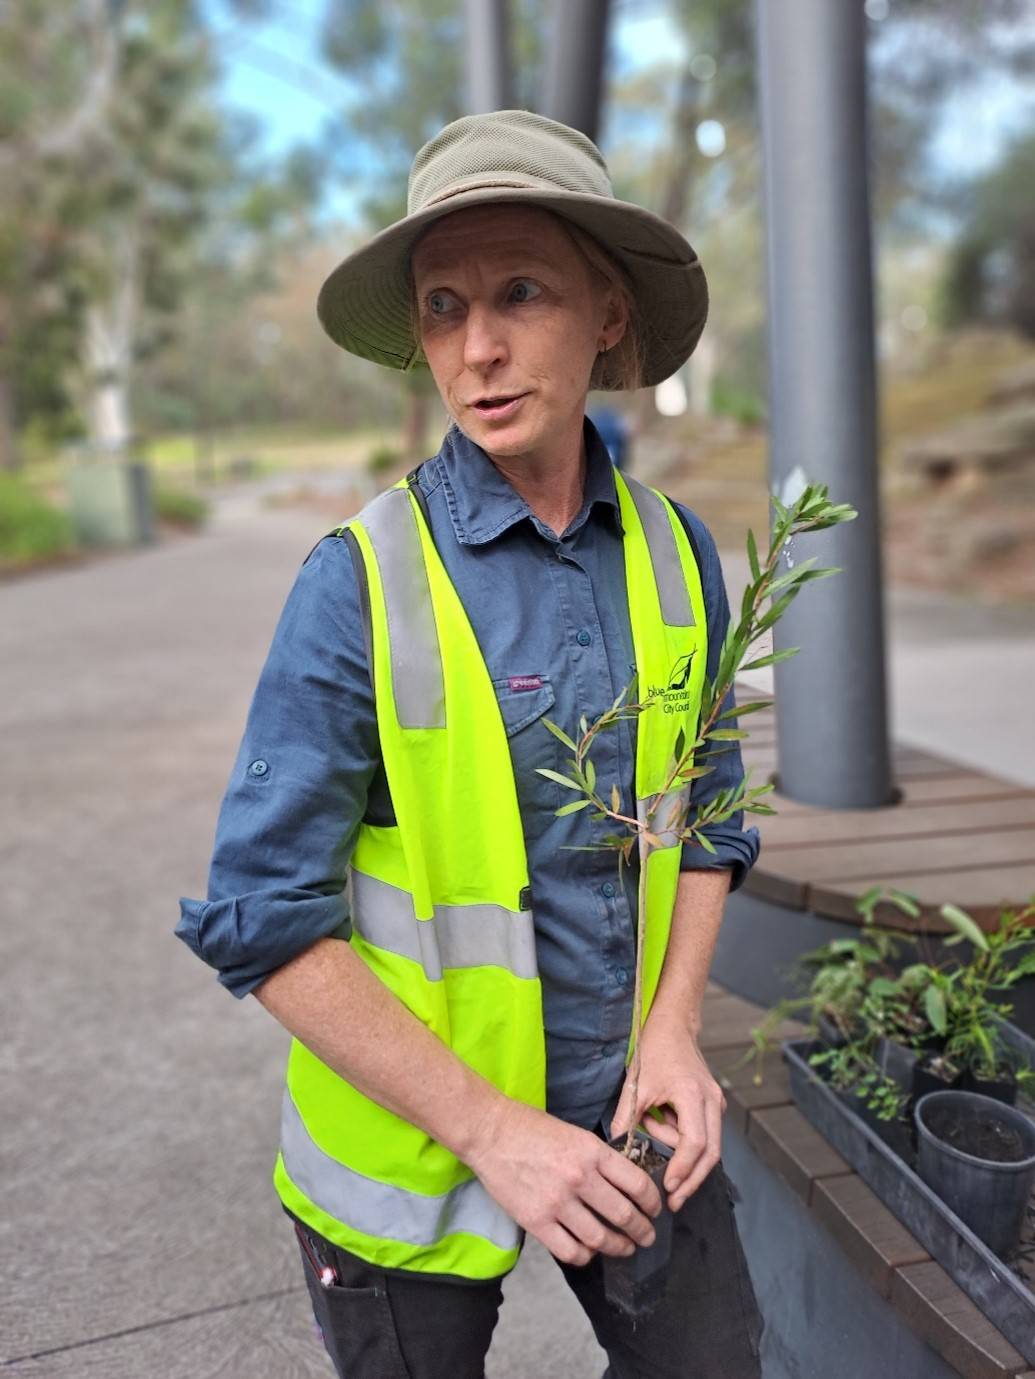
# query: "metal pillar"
{"points": [[831, 697], [575, 64], [489, 84]]}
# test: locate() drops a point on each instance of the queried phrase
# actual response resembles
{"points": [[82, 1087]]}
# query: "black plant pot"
{"points": [[1002, 1089], [895, 1132], [897, 1061], [926, 1080], [989, 1196], [636, 1283]]}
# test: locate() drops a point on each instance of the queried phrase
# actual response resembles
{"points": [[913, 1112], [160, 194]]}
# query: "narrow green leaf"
{"points": [[934, 1004], [572, 808], [905, 901], [754, 707], [965, 925], [591, 775], [561, 780], [752, 549], [773, 659], [559, 733], [728, 734]]}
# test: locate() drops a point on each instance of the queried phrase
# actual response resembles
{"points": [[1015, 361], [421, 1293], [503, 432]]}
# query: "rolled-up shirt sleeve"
{"points": [[735, 846], [288, 820]]}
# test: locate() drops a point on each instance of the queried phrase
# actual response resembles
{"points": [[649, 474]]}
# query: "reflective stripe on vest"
{"points": [[661, 542], [390, 522], [380, 1209], [476, 935]]}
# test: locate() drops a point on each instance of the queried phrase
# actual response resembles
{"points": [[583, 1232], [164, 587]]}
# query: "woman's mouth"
{"points": [[499, 408]]}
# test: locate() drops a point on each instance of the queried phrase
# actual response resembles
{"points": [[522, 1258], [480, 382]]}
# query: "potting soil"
{"points": [[980, 1135]]}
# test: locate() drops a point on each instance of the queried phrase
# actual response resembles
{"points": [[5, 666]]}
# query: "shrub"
{"points": [[179, 507], [382, 458], [31, 529]]}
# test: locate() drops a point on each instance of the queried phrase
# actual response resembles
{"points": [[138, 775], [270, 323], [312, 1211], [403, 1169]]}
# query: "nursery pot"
{"points": [[1000, 1088], [988, 1179], [636, 1283], [894, 1132], [926, 1080]]}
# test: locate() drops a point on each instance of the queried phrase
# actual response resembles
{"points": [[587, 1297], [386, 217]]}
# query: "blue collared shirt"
{"points": [[551, 617]]}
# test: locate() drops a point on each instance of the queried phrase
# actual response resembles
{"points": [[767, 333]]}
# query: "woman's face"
{"points": [[511, 321]]}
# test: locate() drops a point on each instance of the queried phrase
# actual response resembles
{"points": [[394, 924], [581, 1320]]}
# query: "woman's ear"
{"points": [[616, 319]]}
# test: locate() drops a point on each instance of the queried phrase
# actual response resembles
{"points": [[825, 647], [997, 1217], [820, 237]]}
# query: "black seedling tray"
{"points": [[1003, 1297]]}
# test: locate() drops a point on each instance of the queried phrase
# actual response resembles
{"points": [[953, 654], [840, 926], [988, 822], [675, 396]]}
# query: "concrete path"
{"points": [[140, 1234]]}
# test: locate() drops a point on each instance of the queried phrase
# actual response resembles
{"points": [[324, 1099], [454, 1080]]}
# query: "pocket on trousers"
{"points": [[357, 1326]]}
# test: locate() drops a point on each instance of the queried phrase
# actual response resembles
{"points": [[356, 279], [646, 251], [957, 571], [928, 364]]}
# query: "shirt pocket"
{"points": [[532, 745]]}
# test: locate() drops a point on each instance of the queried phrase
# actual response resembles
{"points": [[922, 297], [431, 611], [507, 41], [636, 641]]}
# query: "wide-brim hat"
{"points": [[517, 156]]}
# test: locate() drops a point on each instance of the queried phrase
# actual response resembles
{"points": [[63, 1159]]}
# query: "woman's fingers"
{"points": [[591, 1232], [619, 1211]]}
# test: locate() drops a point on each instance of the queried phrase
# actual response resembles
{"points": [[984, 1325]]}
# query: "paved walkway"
{"points": [[140, 1234]]}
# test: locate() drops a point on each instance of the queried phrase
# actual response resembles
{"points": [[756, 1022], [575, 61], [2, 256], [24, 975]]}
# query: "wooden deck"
{"points": [[955, 835], [888, 1257]]}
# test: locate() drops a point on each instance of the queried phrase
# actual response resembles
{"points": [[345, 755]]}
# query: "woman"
{"points": [[458, 1064]]}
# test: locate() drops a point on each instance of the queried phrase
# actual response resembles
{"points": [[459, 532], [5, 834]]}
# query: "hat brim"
{"points": [[364, 304]]}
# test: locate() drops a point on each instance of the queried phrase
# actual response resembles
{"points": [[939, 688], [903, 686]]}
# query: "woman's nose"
{"points": [[484, 340]]}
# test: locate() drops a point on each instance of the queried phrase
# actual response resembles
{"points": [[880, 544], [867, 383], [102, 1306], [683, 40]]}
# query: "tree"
{"points": [[990, 275], [58, 66]]}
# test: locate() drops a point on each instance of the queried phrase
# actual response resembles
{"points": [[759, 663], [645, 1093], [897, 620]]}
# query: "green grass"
{"points": [[179, 507], [31, 529], [268, 451]]}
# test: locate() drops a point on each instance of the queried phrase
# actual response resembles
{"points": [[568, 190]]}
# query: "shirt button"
{"points": [[583, 637], [608, 889], [621, 976], [259, 768]]}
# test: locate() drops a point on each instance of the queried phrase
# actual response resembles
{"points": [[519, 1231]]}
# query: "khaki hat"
{"points": [[518, 156]]}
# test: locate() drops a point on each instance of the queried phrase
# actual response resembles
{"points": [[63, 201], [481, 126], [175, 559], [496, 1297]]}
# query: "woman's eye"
{"points": [[439, 302], [524, 290]]}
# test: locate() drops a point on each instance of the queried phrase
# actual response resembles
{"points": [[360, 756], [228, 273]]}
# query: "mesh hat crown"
{"points": [[517, 156]]}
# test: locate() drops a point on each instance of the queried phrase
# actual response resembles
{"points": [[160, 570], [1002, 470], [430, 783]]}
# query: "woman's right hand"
{"points": [[564, 1185]]}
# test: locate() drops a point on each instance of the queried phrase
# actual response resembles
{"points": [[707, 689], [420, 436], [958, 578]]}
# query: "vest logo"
{"points": [[525, 682], [674, 695]]}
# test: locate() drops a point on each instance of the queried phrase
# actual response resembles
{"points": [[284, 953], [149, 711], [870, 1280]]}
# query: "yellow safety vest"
{"points": [[440, 902]]}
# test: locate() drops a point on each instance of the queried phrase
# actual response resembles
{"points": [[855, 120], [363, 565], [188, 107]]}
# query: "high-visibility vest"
{"points": [[440, 903]]}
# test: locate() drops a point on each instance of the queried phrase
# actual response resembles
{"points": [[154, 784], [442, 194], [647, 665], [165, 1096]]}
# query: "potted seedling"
{"points": [[978, 1155], [846, 1003], [636, 1284]]}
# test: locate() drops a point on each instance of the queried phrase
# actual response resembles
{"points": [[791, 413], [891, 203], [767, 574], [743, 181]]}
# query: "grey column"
{"points": [[489, 85], [575, 63], [831, 708]]}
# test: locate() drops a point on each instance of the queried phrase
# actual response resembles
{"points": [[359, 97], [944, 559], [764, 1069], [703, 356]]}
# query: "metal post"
{"points": [[831, 697], [489, 85], [575, 66]]}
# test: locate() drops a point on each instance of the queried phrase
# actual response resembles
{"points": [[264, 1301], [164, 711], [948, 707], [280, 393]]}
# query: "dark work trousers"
{"points": [[394, 1324]]}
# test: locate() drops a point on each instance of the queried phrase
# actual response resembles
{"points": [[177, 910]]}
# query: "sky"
{"points": [[273, 72]]}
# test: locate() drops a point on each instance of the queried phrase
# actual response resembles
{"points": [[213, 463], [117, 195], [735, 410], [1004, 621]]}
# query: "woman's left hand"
{"points": [[675, 1080]]}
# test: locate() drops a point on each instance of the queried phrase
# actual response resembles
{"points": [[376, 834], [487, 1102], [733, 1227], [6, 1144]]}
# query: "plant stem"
{"points": [[641, 924]]}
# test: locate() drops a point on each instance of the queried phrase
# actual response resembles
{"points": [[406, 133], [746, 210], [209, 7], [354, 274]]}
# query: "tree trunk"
{"points": [[10, 455], [701, 368], [415, 424], [109, 339]]}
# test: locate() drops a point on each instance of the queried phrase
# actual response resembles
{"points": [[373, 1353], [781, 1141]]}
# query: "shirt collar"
{"points": [[483, 503]]}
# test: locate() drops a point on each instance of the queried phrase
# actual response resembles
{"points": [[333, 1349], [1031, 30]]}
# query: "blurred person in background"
{"points": [[391, 878]]}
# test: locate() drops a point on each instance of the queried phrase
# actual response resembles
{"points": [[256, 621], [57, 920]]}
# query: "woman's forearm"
{"points": [[696, 917], [329, 999]]}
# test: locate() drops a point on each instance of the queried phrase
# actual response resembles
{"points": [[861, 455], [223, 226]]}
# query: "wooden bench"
{"points": [[884, 1252], [955, 835]]}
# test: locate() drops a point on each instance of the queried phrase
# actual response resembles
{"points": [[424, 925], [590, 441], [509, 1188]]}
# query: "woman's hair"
{"points": [[622, 365]]}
